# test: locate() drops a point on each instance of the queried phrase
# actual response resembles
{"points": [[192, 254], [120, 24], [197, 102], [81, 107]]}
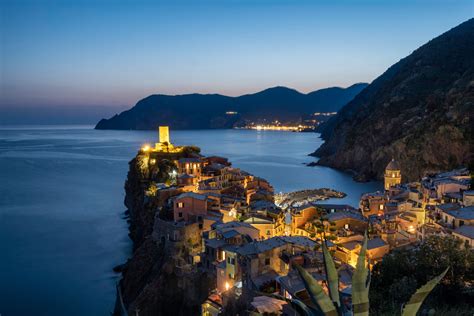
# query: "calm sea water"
{"points": [[61, 205]]}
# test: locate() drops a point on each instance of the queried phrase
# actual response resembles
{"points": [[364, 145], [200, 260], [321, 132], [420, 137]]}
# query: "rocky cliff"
{"points": [[157, 279], [420, 112], [204, 111]]}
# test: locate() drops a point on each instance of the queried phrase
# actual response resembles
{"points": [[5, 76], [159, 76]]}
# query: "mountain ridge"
{"points": [[207, 111], [419, 111]]}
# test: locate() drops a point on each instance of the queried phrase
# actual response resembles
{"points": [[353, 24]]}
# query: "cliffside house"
{"points": [[466, 234], [190, 166], [454, 216], [373, 204], [468, 198], [349, 251], [189, 205], [260, 262], [300, 217], [267, 226], [220, 237], [347, 220], [434, 187]]}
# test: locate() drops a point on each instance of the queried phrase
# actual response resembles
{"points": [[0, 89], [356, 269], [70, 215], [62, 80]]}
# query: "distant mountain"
{"points": [[204, 111], [420, 111]]}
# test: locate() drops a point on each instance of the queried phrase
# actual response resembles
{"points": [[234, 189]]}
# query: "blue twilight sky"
{"points": [[114, 52]]}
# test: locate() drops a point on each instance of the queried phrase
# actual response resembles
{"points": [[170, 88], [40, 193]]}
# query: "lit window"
{"points": [[180, 205]]}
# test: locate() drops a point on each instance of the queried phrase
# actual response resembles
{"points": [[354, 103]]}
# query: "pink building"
{"points": [[189, 205]]}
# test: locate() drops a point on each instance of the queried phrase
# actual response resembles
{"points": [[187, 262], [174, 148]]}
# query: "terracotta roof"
{"points": [[192, 195]]}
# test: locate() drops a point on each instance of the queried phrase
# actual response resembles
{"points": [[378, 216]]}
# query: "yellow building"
{"points": [[268, 227], [164, 144], [393, 175], [300, 217], [164, 134]]}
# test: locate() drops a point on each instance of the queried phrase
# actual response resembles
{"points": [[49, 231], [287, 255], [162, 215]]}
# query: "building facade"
{"points": [[393, 175]]}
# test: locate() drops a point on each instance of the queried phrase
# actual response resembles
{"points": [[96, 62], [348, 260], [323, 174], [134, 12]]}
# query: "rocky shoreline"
{"points": [[154, 266]]}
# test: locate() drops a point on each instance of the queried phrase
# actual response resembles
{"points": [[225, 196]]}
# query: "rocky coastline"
{"points": [[419, 112], [154, 266], [157, 279]]}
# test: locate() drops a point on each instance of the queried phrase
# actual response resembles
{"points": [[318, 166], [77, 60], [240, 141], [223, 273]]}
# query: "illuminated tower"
{"points": [[393, 175], [164, 134], [164, 144]]}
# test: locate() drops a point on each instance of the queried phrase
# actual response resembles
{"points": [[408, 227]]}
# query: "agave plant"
{"points": [[330, 305]]}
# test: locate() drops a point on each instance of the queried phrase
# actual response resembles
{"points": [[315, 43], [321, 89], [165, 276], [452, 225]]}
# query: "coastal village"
{"points": [[221, 220]]}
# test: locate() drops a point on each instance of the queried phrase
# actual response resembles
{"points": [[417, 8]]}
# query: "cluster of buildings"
{"points": [[405, 213], [229, 226]]}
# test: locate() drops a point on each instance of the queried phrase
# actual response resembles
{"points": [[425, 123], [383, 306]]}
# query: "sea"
{"points": [[62, 225]]}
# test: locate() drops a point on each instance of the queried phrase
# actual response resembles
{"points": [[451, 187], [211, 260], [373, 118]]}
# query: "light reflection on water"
{"points": [[61, 205]]}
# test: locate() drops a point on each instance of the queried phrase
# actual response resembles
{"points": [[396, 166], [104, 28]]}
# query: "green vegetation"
{"points": [[400, 273], [331, 305], [163, 171], [188, 151]]}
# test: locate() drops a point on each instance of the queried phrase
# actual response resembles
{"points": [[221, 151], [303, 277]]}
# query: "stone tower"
{"points": [[164, 134], [393, 175]]}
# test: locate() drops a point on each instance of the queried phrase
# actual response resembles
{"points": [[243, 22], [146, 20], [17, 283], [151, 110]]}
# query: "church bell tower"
{"points": [[393, 175]]}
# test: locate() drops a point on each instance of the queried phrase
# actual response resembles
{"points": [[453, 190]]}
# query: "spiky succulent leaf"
{"points": [[360, 284], [316, 292], [332, 277], [411, 308]]}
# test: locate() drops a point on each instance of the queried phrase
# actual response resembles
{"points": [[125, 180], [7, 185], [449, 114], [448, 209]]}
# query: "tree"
{"points": [[163, 171], [402, 271], [191, 150]]}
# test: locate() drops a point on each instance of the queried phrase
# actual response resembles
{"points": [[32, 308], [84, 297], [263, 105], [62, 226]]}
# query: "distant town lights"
{"points": [[278, 127]]}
